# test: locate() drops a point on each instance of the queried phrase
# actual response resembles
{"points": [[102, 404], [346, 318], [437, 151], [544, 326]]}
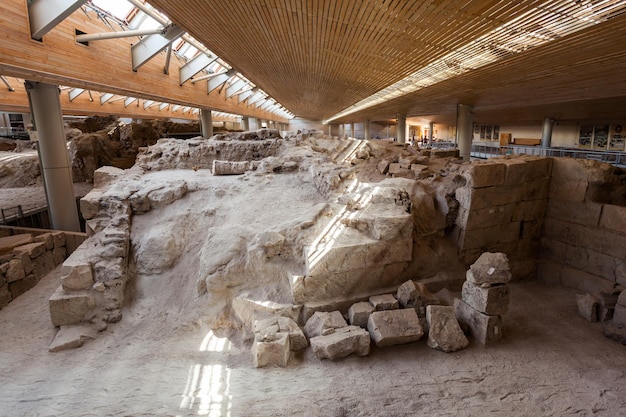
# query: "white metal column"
{"points": [[464, 130], [206, 120], [431, 128], [401, 128], [245, 123], [366, 130], [55, 162], [546, 132]]}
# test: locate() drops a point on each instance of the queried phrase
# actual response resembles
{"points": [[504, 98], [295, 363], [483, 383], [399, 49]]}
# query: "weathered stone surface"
{"points": [[492, 300], [47, 239], [394, 327], [621, 299], [619, 315], [69, 308], [446, 297], [15, 270], [525, 169], [5, 295], [490, 268], [392, 227], [231, 167], [322, 323], [601, 240], [383, 166], [248, 310], [444, 331], [71, 337], [27, 263], [359, 313], [530, 210], [59, 239], [90, 204], [77, 272], [8, 243], [395, 168], [407, 294], [614, 218], [43, 264], [18, 288], [384, 302], [32, 249], [587, 306], [490, 236], [615, 332], [620, 273], [297, 339], [104, 175], [480, 175], [341, 343], [486, 217], [417, 296], [58, 255], [271, 348], [483, 328]]}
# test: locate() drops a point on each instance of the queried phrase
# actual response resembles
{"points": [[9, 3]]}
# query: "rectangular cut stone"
{"points": [[587, 307], [491, 216], [58, 254], [90, 204], [485, 329], [323, 322], [583, 281], [8, 243], [586, 213], [493, 300], [297, 339], [580, 169], [481, 175], [394, 168], [383, 166], [359, 313], [341, 343], [356, 256], [488, 236], [59, 239], [18, 288], [15, 270], [77, 272], [531, 229], [569, 190], [384, 302], [33, 249], [619, 315], [614, 218], [527, 169], [5, 295], [530, 210], [600, 240], [392, 227], [69, 308], [47, 239], [394, 327], [271, 352], [43, 265]]}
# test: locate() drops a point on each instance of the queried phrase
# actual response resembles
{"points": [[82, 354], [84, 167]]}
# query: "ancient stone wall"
{"points": [[501, 209], [25, 258], [584, 241]]}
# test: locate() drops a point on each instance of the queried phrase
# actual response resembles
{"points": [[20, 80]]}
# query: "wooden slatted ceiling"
{"points": [[317, 57]]}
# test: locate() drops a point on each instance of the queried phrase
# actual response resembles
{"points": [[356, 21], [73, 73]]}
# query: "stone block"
{"points": [[27, 263], [359, 313], [32, 249], [383, 166], [5, 295], [404, 173], [58, 255], [588, 306], [569, 190], [407, 294], [72, 337], [529, 210], [489, 236], [531, 229], [271, 349], [621, 299], [104, 175], [490, 216], [43, 265], [392, 227], [486, 174], [59, 239], [69, 308], [297, 339], [586, 213], [384, 302], [90, 204], [395, 168], [446, 297], [520, 170], [492, 300], [614, 218], [444, 330], [619, 315], [583, 281], [615, 332], [579, 169], [394, 327], [47, 239], [485, 329], [8, 243], [77, 273], [322, 323], [15, 270], [18, 288], [341, 343], [490, 268]]}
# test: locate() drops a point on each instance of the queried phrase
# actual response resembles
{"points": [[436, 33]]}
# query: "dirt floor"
{"points": [[164, 362]]}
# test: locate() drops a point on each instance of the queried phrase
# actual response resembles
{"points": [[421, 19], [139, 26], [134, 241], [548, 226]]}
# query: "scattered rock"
{"points": [[588, 306], [322, 323], [484, 329], [444, 331], [71, 337], [394, 327], [490, 268], [271, 348], [384, 302], [492, 300], [359, 313], [341, 343]]}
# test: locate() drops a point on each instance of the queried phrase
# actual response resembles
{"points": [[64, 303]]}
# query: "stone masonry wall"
{"points": [[28, 255], [584, 241], [501, 209]]}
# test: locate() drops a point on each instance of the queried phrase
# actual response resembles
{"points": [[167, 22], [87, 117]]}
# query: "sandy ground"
{"points": [[156, 362]]}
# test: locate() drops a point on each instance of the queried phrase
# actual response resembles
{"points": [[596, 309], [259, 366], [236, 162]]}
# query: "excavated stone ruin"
{"points": [[349, 241]]}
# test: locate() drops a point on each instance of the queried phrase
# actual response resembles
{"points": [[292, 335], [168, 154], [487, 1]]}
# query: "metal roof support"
{"points": [[267, 104], [217, 81], [151, 45], [6, 82], [88, 37], [129, 100], [46, 14], [258, 96], [234, 88], [245, 94], [148, 103], [194, 66], [75, 92], [175, 107], [168, 58], [105, 97], [207, 77], [163, 106]]}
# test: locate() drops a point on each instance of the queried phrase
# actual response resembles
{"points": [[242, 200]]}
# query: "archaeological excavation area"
{"points": [[315, 208]]}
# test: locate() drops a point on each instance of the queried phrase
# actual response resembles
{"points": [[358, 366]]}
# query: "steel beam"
{"points": [[235, 87], [89, 37], [163, 105], [149, 46], [44, 15], [194, 66], [105, 97], [75, 92], [129, 100], [6, 82], [217, 81], [243, 96]]}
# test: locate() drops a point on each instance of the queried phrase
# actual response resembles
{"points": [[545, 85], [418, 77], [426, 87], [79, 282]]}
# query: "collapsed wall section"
{"points": [[584, 241]]}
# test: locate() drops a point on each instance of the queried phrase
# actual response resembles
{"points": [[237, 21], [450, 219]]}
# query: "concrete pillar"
{"points": [[401, 128], [431, 128], [366, 130], [245, 123], [206, 121], [342, 129], [330, 129], [352, 132], [464, 132], [54, 160], [387, 131], [546, 132]]}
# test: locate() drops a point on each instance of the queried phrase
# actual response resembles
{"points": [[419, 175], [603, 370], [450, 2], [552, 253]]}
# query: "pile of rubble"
{"points": [[393, 319], [608, 306]]}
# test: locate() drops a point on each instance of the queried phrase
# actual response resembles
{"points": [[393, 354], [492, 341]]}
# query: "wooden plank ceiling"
{"points": [[318, 57]]}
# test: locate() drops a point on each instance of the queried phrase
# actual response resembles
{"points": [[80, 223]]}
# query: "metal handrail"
{"points": [[617, 158]]}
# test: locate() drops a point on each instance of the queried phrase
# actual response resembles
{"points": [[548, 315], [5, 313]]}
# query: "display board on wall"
{"points": [[488, 132], [602, 137], [618, 138]]}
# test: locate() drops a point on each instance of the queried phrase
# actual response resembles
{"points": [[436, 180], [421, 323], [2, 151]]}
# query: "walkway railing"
{"points": [[612, 157]]}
